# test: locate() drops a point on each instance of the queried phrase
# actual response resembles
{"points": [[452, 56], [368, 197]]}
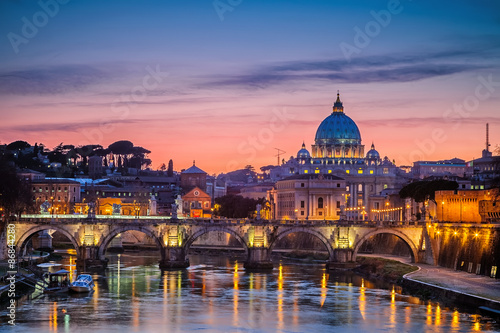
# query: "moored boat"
{"points": [[83, 283], [58, 282]]}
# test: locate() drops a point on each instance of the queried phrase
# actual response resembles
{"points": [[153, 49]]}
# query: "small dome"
{"points": [[303, 153], [372, 153]]}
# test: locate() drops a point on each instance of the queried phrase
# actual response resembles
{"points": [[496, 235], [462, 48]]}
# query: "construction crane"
{"points": [[279, 154]]}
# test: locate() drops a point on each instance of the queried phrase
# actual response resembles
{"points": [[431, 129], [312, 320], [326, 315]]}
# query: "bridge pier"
{"points": [[174, 257], [89, 259], [259, 258], [342, 259]]}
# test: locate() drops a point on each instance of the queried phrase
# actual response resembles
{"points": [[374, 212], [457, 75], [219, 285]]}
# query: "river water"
{"points": [[216, 294]]}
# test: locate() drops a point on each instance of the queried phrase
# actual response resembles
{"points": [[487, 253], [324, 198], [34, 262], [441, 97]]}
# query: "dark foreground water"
{"points": [[216, 295]]}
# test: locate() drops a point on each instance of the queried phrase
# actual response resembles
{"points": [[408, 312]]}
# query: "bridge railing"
{"points": [[114, 219]]}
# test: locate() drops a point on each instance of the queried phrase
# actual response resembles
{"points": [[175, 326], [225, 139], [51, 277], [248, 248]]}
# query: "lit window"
{"points": [[360, 171], [329, 171], [386, 170], [306, 171], [371, 172], [347, 171], [385, 186], [316, 171]]}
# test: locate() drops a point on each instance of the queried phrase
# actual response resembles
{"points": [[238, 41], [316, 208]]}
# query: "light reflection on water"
{"points": [[217, 295]]}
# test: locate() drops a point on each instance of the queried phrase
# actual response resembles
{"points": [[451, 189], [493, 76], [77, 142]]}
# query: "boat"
{"points": [[58, 282], [82, 284]]}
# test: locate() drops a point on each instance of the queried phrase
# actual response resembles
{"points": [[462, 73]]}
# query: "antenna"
{"points": [[279, 154], [488, 137]]}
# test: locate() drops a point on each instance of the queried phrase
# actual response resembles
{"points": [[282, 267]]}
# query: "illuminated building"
{"points": [[338, 151], [315, 197], [196, 203], [59, 195], [467, 206]]}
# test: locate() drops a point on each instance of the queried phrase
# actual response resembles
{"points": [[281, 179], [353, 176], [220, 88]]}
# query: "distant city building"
{"points": [[197, 203], [59, 195], [96, 168], [193, 177], [216, 187], [453, 167], [256, 192], [30, 175]]}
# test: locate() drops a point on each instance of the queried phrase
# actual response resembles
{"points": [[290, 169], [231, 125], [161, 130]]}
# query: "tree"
{"points": [[420, 191], [18, 145], [170, 170], [163, 167], [236, 206], [15, 194]]}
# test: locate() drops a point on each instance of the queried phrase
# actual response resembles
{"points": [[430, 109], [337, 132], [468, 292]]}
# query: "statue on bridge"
{"points": [[44, 207], [91, 210], [174, 211], [259, 208]]}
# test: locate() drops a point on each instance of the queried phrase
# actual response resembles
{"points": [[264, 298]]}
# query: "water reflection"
{"points": [[217, 294]]}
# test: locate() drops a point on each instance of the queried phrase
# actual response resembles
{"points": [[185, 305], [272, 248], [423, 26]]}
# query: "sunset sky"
{"points": [[225, 82]]}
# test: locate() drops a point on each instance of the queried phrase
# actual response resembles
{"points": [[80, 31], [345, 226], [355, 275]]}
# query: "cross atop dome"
{"points": [[337, 106]]}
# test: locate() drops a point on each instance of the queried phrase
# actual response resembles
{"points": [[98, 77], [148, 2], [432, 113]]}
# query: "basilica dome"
{"points": [[338, 128]]}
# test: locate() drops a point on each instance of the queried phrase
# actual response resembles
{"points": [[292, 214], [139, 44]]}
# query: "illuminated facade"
{"points": [[315, 197], [467, 206], [338, 151], [60, 195]]}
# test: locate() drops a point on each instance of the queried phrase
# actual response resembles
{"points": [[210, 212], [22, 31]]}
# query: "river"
{"points": [[216, 294]]}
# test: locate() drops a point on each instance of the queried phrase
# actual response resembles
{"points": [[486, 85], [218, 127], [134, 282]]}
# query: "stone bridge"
{"points": [[342, 239]]}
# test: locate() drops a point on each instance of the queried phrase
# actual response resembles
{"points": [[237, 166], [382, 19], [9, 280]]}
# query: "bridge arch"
{"points": [[23, 240], [399, 234], [103, 244], [205, 230], [292, 230]]}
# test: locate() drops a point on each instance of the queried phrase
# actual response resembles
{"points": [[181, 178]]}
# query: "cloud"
{"points": [[414, 122], [385, 68], [72, 126], [50, 80]]}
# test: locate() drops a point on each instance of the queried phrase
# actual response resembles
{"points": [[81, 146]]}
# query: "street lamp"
{"points": [[387, 210], [442, 210], [52, 206]]}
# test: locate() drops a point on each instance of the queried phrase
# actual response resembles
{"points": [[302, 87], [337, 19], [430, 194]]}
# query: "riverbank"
{"points": [[391, 271], [449, 286]]}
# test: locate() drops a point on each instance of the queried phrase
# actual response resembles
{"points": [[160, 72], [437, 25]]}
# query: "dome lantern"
{"points": [[337, 106]]}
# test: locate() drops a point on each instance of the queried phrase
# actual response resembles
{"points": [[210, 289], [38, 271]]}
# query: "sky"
{"points": [[226, 82]]}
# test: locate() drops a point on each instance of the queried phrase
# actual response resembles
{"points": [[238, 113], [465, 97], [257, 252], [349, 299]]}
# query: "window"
{"points": [[386, 171], [302, 212], [493, 271], [347, 171], [329, 171], [371, 172], [302, 184], [338, 204], [385, 186], [320, 202], [338, 184], [306, 171], [302, 204], [316, 171], [360, 171], [360, 187]]}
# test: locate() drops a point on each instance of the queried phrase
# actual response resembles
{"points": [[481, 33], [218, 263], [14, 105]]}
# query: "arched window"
{"points": [[320, 202]]}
